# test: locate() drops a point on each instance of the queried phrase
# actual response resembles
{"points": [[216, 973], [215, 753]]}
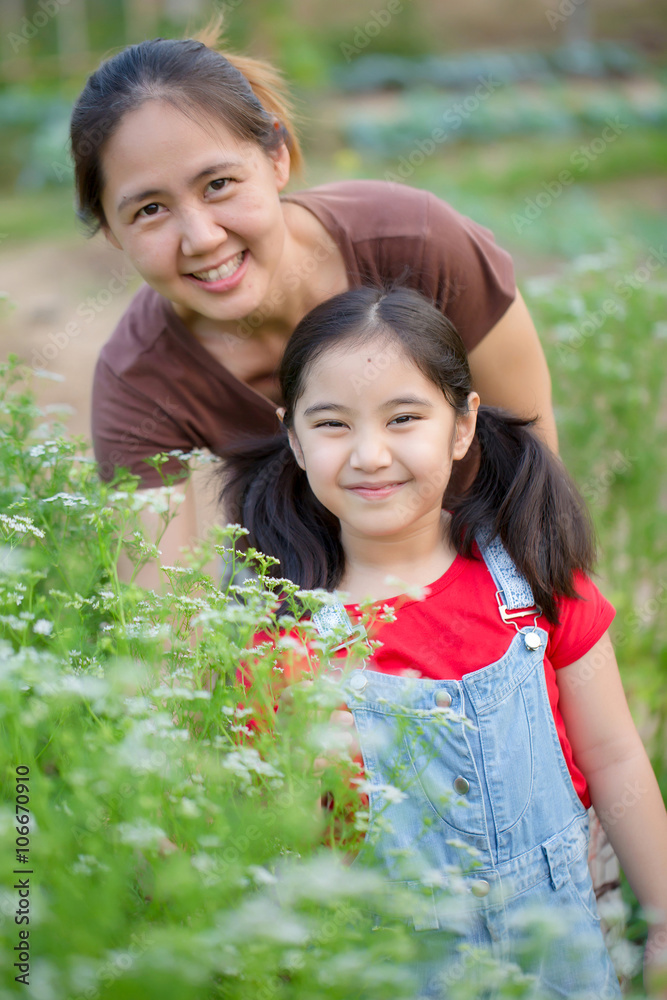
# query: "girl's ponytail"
{"points": [[523, 493], [266, 491], [267, 83]]}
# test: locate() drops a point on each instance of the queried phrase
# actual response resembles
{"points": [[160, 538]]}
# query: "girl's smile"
{"points": [[374, 491]]}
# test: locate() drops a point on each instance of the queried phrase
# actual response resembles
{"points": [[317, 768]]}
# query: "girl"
{"points": [[511, 634]]}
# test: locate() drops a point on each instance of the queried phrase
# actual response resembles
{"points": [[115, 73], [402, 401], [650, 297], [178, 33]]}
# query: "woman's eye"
{"points": [[220, 183], [149, 210]]}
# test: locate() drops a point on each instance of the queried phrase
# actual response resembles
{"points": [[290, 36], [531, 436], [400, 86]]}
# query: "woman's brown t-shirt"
{"points": [[157, 389]]}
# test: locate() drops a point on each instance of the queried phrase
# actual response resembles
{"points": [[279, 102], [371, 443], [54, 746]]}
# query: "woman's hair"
{"points": [[521, 491], [247, 95]]}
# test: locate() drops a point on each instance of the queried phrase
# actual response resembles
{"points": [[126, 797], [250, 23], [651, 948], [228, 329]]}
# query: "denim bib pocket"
{"points": [[581, 886]]}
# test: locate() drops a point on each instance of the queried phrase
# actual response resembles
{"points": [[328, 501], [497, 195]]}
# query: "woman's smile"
{"points": [[223, 277]]}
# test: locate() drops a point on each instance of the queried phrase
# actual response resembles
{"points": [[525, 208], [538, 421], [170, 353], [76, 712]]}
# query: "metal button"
{"points": [[358, 682], [532, 640], [461, 785], [480, 888], [443, 699]]}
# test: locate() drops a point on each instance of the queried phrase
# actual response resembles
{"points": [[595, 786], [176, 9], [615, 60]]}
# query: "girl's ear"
{"points": [[296, 449], [465, 427], [293, 440]]}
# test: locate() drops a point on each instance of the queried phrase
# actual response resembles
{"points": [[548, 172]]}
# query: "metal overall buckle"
{"points": [[531, 639], [330, 619]]}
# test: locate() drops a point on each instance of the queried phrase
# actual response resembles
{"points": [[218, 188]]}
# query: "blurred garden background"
{"points": [[545, 120]]}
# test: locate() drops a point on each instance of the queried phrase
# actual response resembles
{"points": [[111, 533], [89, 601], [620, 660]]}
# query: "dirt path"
{"points": [[65, 300]]}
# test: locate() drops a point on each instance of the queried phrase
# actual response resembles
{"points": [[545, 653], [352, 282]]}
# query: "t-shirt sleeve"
{"points": [[129, 427], [583, 621], [475, 277]]}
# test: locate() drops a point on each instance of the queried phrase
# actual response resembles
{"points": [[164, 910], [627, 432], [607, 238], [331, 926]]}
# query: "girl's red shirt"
{"points": [[456, 628]]}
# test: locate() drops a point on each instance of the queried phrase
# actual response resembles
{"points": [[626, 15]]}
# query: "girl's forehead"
{"points": [[364, 372]]}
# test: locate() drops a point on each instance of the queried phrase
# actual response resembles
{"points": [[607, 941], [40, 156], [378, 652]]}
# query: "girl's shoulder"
{"points": [[582, 621]]}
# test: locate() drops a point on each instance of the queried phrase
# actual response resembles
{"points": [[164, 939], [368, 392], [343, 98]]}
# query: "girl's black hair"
{"points": [[521, 492]]}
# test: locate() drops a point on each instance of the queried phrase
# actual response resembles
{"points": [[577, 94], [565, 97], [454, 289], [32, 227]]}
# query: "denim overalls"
{"points": [[469, 777]]}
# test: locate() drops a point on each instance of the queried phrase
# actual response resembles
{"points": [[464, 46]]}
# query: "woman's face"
{"points": [[377, 440], [196, 210]]}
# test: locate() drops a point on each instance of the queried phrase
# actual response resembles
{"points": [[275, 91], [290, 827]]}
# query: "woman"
{"points": [[181, 155]]}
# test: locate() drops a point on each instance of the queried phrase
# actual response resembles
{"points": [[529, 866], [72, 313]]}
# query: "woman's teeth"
{"points": [[223, 271]]}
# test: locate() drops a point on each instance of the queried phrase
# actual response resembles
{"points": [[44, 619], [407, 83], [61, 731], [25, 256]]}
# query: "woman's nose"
{"points": [[200, 232]]}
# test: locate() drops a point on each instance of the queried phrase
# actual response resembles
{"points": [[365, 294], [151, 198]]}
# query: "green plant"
{"points": [[160, 845]]}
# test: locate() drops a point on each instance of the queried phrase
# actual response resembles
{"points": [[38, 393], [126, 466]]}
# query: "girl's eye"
{"points": [[331, 423], [404, 418], [220, 183]]}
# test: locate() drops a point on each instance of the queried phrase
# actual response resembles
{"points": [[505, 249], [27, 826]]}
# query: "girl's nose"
{"points": [[370, 452], [200, 232]]}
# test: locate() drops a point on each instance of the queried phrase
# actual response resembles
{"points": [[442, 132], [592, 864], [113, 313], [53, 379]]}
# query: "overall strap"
{"points": [[513, 589]]}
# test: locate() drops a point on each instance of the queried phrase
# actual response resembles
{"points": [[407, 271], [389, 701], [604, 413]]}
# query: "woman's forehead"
{"points": [[157, 142]]}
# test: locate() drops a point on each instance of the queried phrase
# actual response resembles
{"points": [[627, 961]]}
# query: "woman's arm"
{"points": [[188, 525], [623, 787], [509, 370]]}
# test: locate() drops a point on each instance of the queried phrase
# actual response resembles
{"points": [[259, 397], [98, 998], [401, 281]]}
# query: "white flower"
{"points": [[246, 759], [140, 834], [87, 864], [43, 627], [239, 713], [22, 525], [416, 593], [389, 793], [68, 499], [260, 875]]}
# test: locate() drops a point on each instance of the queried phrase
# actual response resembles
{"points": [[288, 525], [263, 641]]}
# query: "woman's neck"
{"points": [[415, 560]]}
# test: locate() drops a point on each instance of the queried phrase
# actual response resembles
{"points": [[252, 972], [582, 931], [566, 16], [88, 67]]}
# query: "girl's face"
{"points": [[196, 210], [377, 440]]}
